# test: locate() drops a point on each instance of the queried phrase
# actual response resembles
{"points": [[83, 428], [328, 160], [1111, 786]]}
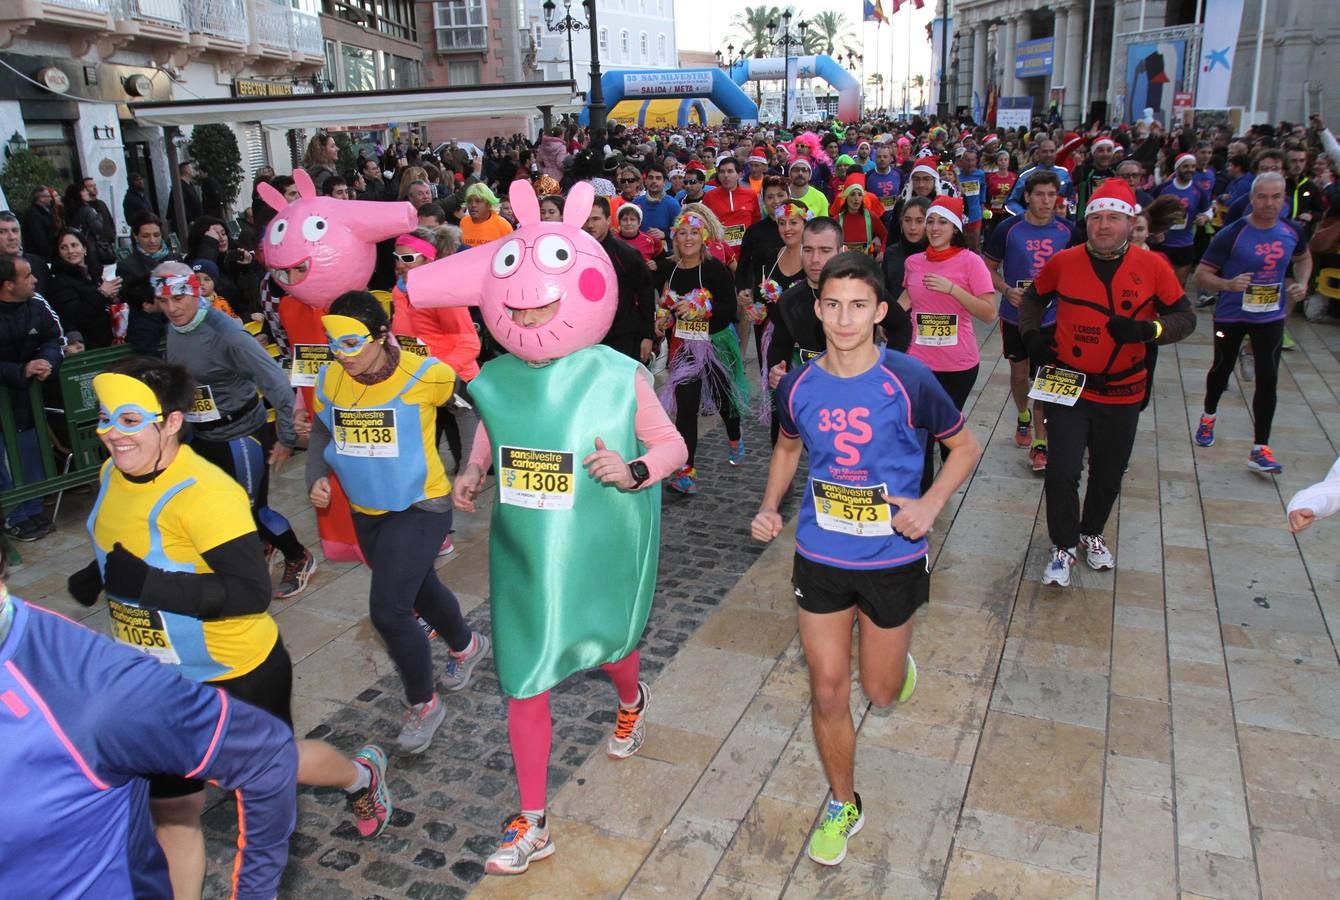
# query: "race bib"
{"points": [[856, 246], [692, 330], [1023, 284], [202, 407], [889, 202], [536, 479], [1056, 385], [937, 329], [365, 433], [413, 346], [307, 362], [1261, 298], [861, 511], [143, 629], [971, 188], [1179, 223], [734, 235]]}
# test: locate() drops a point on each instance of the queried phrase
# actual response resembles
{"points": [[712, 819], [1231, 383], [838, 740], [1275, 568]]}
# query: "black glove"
{"points": [[1125, 330], [86, 584], [1039, 352], [126, 573]]}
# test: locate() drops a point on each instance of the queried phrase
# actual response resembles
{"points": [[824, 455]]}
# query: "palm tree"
{"points": [[877, 80], [830, 27], [919, 82], [753, 21]]}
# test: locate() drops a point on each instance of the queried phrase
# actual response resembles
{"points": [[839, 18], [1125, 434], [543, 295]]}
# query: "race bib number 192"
{"points": [[1261, 298], [536, 479]]}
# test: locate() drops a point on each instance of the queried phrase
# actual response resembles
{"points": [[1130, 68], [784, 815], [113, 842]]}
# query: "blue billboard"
{"points": [[1034, 58]]}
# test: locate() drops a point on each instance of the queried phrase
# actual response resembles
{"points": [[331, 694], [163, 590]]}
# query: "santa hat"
{"points": [[759, 155], [1113, 195], [1104, 142], [991, 139], [802, 161], [950, 208], [1184, 157], [927, 165], [855, 181], [694, 166], [865, 144], [631, 209]]}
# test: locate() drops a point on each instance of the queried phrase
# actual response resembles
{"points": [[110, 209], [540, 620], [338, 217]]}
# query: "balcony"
{"points": [[73, 16], [161, 22], [222, 23], [282, 31]]}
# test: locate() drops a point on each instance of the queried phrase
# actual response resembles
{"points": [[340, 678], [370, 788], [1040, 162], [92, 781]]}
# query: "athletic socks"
{"points": [[1026, 416], [362, 779]]}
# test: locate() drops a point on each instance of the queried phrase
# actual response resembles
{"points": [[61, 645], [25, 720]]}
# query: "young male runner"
{"points": [[863, 414]]}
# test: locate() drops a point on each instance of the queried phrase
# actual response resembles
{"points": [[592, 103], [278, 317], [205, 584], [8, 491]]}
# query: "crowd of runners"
{"points": [[556, 325]]}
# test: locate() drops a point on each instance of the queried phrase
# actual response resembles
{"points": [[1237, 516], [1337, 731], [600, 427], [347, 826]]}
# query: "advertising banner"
{"points": [[1034, 58], [1219, 42], [1155, 73], [684, 83]]}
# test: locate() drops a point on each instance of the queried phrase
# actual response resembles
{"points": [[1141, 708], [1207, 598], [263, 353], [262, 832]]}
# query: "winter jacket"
{"points": [[550, 155], [29, 330], [76, 300]]}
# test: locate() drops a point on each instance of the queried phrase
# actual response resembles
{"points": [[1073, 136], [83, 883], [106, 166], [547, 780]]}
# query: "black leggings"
{"points": [[400, 548], [689, 399], [1267, 342], [958, 385], [1106, 433]]}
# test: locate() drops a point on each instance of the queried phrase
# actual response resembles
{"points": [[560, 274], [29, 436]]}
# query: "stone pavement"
{"points": [[1168, 729]]}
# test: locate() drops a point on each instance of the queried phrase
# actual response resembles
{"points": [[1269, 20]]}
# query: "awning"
{"points": [[365, 108]]}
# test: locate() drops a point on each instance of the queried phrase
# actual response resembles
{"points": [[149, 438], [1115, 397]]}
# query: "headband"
{"points": [[176, 285], [120, 394], [690, 220], [792, 208], [418, 245]]}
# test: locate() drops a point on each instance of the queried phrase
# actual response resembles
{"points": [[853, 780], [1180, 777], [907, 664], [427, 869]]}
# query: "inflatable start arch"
{"points": [[663, 84], [825, 67]]}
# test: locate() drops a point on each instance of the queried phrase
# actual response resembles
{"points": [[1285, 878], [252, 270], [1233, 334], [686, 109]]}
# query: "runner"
{"points": [[107, 719], [911, 241], [1246, 263], [1044, 159], [178, 555], [232, 374], [762, 242], [999, 182], [862, 231], [373, 425], [785, 271], [1179, 244], [884, 180], [1112, 301], [802, 191], [1017, 251], [572, 553], [734, 204], [706, 367], [972, 186], [861, 554], [944, 289]]}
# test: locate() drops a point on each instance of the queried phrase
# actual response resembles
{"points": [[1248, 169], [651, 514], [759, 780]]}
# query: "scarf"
{"points": [[948, 253], [195, 320], [158, 255], [1115, 254], [377, 376]]}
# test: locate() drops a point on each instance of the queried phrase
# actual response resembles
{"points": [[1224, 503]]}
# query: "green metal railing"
{"points": [[80, 407]]}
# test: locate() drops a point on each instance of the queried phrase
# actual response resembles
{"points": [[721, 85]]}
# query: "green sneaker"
{"points": [[828, 845], [1288, 343], [910, 681]]}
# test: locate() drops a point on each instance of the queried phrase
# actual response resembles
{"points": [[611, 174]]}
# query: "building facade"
{"points": [[73, 69], [997, 41]]}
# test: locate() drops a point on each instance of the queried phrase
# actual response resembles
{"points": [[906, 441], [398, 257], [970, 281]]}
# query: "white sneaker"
{"points": [[1096, 553], [630, 729], [420, 724], [1058, 569], [524, 841]]}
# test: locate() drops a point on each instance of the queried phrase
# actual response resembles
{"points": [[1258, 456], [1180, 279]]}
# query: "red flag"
{"points": [[920, 4]]}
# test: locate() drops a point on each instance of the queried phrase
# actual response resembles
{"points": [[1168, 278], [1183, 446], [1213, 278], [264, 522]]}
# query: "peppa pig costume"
{"points": [[316, 248], [574, 540]]}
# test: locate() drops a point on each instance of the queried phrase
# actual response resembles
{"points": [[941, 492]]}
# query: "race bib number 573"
{"points": [[536, 479], [860, 511]]}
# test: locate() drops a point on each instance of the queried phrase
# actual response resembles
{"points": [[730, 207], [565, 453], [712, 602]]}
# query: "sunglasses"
{"points": [[408, 258], [349, 344], [693, 181], [627, 181]]}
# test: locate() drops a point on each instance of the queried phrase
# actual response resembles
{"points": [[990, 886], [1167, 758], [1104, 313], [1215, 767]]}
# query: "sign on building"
{"points": [[1034, 58], [690, 83]]}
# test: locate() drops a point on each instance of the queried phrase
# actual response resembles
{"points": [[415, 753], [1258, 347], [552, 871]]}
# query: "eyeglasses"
{"points": [[128, 418], [408, 258], [688, 181], [627, 181]]}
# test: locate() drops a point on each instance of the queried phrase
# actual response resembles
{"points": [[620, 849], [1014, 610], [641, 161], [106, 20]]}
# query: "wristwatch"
{"points": [[638, 469]]}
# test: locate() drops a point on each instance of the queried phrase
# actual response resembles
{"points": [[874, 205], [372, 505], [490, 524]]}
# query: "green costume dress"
{"points": [[572, 562]]}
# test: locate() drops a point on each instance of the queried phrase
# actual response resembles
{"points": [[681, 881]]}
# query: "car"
{"points": [[468, 147]]}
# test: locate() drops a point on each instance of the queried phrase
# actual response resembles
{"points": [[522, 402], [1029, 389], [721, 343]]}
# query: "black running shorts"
{"points": [[888, 597]]}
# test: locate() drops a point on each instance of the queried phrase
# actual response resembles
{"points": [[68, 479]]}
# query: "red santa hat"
{"points": [[759, 155], [950, 208], [1104, 142], [1113, 195], [991, 139], [927, 165], [1184, 157]]}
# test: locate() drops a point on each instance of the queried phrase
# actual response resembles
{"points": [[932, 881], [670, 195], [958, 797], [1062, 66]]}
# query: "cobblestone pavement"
{"points": [[1168, 729]]}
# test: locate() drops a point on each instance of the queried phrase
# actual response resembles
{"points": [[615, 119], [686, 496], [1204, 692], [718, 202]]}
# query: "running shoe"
{"points": [[1288, 342], [297, 572], [828, 844], [909, 681], [447, 548], [1058, 568], [685, 481], [460, 666], [420, 724], [1247, 362], [1096, 553], [27, 531], [1205, 432], [1023, 430], [524, 841], [1263, 460], [1207, 300], [268, 550], [1037, 458], [372, 805], [631, 727], [736, 457]]}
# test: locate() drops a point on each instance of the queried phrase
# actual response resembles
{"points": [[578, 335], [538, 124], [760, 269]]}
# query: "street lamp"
{"points": [[566, 24], [731, 59], [785, 43]]}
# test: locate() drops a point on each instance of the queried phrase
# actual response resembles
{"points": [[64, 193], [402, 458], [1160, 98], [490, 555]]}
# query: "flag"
{"points": [[874, 11]]}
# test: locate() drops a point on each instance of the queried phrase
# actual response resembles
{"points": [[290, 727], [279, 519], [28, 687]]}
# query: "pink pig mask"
{"points": [[539, 264], [319, 247]]}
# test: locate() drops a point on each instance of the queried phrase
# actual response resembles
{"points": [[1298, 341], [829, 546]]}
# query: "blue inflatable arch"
{"points": [[673, 84], [825, 67]]}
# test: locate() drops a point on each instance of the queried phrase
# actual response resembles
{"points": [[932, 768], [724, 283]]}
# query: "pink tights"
{"points": [[530, 731]]}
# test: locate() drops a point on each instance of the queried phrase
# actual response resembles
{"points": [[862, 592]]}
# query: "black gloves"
{"points": [[86, 584], [1039, 352], [1125, 330], [126, 573]]}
